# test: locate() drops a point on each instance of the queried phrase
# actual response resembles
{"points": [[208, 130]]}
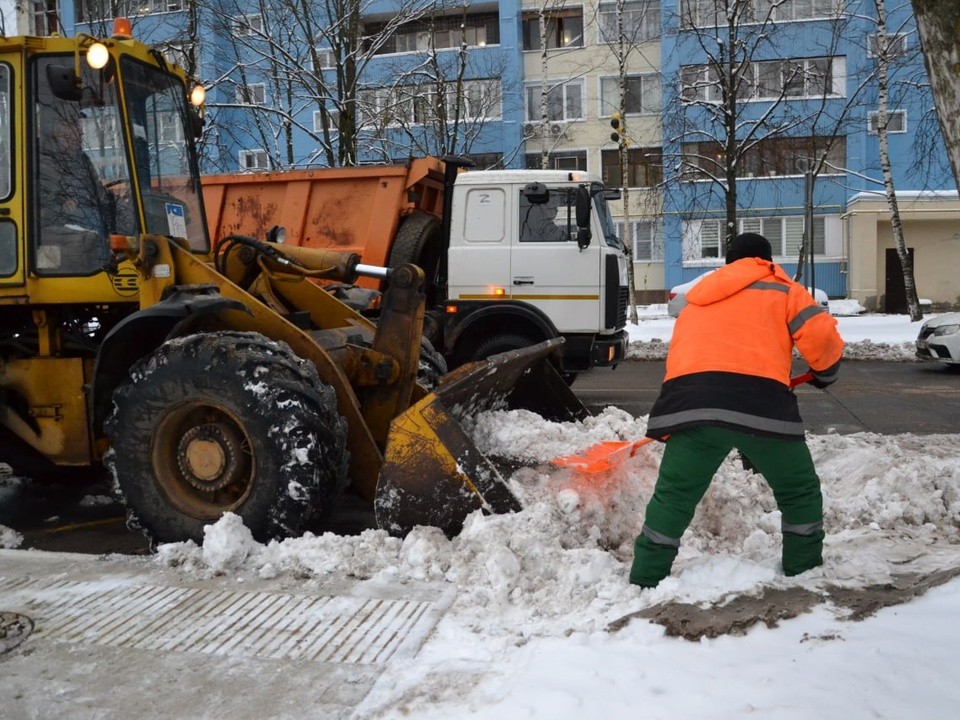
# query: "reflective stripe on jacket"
{"points": [[731, 352]]}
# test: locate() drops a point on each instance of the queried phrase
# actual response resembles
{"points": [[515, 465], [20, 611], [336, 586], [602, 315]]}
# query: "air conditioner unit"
{"points": [[557, 130], [529, 129]]}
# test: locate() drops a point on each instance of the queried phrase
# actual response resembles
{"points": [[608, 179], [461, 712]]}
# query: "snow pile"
{"points": [[10, 538], [561, 564]]}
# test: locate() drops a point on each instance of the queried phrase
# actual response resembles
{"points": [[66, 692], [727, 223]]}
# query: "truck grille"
{"points": [[615, 300]]}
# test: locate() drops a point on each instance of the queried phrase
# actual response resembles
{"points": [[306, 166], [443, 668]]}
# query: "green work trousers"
{"points": [[689, 462]]}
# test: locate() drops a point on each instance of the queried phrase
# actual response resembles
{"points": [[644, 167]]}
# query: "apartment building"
{"points": [[536, 83]]}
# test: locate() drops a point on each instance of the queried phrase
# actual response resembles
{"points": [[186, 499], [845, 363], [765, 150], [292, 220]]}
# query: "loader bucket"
{"points": [[433, 473]]}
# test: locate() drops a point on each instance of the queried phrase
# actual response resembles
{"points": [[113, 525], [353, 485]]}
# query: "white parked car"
{"points": [[677, 298], [939, 339]]}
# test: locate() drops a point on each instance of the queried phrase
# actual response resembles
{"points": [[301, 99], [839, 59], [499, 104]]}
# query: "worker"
{"points": [[727, 387], [76, 211], [539, 223], [71, 192]]}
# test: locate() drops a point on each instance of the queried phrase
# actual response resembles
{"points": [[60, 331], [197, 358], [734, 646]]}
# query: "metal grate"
{"points": [[325, 628]]}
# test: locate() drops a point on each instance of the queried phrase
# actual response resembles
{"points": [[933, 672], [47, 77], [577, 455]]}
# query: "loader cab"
{"points": [[108, 153]]}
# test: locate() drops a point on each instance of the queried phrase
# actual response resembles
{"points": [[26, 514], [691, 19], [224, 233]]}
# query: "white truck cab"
{"points": [[532, 254]]}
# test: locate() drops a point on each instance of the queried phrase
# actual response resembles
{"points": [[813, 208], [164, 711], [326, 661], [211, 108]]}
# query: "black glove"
{"points": [[822, 384]]}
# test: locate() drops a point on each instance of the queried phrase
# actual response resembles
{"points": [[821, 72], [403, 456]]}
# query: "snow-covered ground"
{"points": [[545, 625]]}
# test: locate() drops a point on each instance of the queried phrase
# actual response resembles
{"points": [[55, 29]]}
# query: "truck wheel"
{"points": [[499, 344], [419, 241], [503, 343], [225, 422], [432, 365]]}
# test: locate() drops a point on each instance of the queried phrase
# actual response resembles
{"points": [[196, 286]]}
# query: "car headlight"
{"points": [[946, 330]]}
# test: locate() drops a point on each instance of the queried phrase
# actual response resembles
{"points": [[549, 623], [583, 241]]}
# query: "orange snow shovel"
{"points": [[607, 455]]}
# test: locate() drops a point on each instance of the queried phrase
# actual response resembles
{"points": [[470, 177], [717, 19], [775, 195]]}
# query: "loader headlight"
{"points": [[98, 56], [198, 95], [946, 330]]}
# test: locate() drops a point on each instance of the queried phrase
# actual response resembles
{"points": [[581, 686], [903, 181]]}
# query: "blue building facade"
{"points": [[808, 89]]}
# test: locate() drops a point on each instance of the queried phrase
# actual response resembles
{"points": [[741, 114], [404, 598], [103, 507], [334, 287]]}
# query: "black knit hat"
{"points": [[747, 245]]}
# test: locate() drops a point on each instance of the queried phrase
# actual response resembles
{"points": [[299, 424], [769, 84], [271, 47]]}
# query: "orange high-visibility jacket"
{"points": [[731, 351]]}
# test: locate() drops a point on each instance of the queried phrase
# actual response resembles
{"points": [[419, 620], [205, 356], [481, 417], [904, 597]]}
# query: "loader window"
{"points": [[6, 171], [164, 161], [77, 159], [8, 248]]}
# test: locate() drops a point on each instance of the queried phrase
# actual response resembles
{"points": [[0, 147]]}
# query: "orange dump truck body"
{"points": [[350, 209]]}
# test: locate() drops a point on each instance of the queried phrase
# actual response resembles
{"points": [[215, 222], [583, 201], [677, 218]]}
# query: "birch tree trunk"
{"points": [[938, 22], [883, 77]]}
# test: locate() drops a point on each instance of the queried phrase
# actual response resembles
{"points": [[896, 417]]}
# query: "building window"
{"points": [[253, 94], [641, 21], [572, 160], [896, 122], [646, 238], [644, 167], [486, 161], [770, 157], [254, 160], [247, 25], [564, 102], [896, 45], [785, 234], [564, 29], [90, 10], [417, 105], [333, 118], [46, 17], [642, 94], [769, 80], [711, 13], [324, 59], [437, 33], [179, 53]]}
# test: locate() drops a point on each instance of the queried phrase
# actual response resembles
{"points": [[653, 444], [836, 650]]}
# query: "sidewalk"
{"points": [[123, 637]]}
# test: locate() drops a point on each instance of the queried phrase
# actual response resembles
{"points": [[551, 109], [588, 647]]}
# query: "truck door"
{"points": [[11, 208], [479, 255], [548, 269]]}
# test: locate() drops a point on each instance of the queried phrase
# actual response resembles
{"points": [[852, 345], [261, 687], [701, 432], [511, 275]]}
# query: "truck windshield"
{"points": [[164, 161], [606, 219]]}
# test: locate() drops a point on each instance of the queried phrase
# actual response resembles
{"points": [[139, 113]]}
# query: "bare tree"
{"points": [[558, 34], [885, 51], [441, 98], [297, 67], [938, 23], [722, 138], [634, 23]]}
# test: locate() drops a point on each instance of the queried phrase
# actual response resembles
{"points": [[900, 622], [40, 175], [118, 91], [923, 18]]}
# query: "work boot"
{"points": [[802, 552], [651, 562]]}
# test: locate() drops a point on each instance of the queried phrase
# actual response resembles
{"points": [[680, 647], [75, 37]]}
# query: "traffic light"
{"points": [[619, 134]]}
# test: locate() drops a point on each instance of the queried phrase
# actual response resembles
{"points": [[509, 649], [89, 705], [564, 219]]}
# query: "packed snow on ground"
{"points": [[546, 625]]}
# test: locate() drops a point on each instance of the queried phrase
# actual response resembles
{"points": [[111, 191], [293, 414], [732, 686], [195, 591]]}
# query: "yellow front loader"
{"points": [[210, 379]]}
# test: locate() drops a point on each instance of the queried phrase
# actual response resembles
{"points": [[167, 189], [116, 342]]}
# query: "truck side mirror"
{"points": [[584, 206], [197, 121], [536, 193]]}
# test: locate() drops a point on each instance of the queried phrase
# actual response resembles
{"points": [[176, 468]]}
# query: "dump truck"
{"points": [[210, 378], [511, 257]]}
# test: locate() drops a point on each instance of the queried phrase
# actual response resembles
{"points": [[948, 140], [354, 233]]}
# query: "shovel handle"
{"points": [[801, 379]]}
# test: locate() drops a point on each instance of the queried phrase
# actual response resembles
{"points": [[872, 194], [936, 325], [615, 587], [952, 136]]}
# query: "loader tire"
{"points": [[419, 241], [225, 422]]}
